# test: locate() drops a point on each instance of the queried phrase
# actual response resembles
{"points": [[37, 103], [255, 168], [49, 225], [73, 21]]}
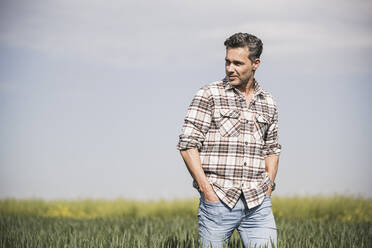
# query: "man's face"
{"points": [[239, 69]]}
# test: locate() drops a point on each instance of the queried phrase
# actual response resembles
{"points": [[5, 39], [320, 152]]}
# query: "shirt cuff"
{"points": [[272, 150], [186, 142]]}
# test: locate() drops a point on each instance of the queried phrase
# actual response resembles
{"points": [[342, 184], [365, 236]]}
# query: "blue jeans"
{"points": [[217, 223]]}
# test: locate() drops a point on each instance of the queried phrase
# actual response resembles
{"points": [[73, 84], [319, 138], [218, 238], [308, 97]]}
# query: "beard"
{"points": [[236, 81]]}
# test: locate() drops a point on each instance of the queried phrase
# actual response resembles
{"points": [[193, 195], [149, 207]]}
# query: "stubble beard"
{"points": [[239, 83]]}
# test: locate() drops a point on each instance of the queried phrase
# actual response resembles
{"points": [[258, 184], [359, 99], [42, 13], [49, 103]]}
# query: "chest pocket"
{"points": [[230, 123], [261, 123]]}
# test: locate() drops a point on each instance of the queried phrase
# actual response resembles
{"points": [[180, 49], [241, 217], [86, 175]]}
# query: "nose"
{"points": [[229, 68]]}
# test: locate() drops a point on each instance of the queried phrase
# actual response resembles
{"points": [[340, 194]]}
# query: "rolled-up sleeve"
{"points": [[197, 121], [272, 147]]}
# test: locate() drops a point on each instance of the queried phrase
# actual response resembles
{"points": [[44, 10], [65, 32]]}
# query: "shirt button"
{"points": [[245, 163], [246, 142]]}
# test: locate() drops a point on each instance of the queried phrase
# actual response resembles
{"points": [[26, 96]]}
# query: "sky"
{"points": [[93, 93]]}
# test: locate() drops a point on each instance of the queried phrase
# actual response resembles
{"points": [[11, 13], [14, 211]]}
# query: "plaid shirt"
{"points": [[232, 140]]}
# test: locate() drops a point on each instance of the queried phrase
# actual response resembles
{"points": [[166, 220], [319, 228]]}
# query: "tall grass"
{"points": [[301, 221]]}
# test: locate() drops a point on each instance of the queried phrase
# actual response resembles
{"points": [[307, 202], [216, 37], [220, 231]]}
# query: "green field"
{"points": [[302, 222]]}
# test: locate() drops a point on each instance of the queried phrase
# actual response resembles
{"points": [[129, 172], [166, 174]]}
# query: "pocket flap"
{"points": [[231, 113], [262, 119]]}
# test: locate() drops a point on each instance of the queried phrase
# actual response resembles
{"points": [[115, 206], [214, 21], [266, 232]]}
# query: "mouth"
{"points": [[232, 77]]}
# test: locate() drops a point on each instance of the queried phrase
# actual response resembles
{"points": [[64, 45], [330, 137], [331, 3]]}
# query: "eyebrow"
{"points": [[234, 61]]}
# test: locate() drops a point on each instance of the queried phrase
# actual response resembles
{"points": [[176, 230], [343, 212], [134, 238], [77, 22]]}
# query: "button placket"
{"points": [[245, 141], [245, 174]]}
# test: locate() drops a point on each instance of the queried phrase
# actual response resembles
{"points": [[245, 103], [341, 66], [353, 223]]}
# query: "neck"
{"points": [[247, 88]]}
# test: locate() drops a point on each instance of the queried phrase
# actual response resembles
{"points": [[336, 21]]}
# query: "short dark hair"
{"points": [[253, 43]]}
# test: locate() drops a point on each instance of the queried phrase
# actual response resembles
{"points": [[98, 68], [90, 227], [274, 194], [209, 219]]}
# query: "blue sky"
{"points": [[93, 94]]}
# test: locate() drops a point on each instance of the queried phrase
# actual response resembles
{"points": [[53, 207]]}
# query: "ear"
{"points": [[256, 63]]}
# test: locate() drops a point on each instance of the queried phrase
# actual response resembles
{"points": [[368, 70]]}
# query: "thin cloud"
{"points": [[139, 33]]}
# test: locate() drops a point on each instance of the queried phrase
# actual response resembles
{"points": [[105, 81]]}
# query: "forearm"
{"points": [[193, 164], [271, 166]]}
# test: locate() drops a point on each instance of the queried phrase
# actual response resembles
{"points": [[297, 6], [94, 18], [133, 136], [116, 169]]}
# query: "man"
{"points": [[229, 142]]}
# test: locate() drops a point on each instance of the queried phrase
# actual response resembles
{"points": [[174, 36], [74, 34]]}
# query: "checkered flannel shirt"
{"points": [[232, 140]]}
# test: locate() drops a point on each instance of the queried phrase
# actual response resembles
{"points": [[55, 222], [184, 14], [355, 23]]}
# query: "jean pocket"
{"points": [[267, 199], [264, 209], [212, 203], [210, 211], [202, 199]]}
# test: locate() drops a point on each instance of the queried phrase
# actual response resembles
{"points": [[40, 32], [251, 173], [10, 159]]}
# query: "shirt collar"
{"points": [[257, 87]]}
